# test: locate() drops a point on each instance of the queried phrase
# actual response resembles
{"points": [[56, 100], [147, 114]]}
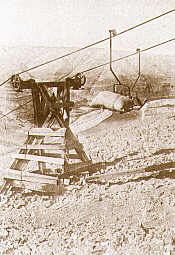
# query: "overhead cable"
{"points": [[130, 55], [93, 44], [90, 45], [90, 69], [5, 115]]}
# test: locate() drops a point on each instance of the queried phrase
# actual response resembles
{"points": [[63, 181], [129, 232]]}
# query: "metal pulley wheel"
{"points": [[80, 80], [16, 82]]}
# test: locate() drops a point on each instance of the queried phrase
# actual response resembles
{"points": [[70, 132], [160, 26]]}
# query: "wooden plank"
{"points": [[38, 112], [41, 165], [51, 160], [54, 140], [47, 132], [44, 147], [30, 177], [73, 156], [50, 84], [89, 120], [21, 164], [77, 145], [29, 85], [34, 186]]}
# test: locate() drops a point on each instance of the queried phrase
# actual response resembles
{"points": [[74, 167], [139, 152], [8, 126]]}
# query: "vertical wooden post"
{"points": [[38, 119], [36, 105], [67, 90]]}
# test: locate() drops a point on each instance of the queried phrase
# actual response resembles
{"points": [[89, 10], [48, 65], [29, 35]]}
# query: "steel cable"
{"points": [[4, 115], [90, 45], [90, 69], [132, 54]]}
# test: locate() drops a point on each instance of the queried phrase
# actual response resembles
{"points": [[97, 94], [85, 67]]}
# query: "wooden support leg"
{"points": [[41, 165], [38, 113], [67, 88]]}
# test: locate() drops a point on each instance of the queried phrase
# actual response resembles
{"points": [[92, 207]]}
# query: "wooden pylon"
{"points": [[44, 148], [46, 157]]}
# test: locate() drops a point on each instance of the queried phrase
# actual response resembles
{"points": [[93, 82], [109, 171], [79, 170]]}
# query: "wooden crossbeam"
{"points": [[30, 177], [20, 164], [51, 160], [47, 132], [29, 84], [55, 147]]}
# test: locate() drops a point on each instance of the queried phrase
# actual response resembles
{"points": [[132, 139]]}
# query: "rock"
{"points": [[3, 199], [45, 198], [3, 234], [16, 235], [48, 203], [10, 193], [66, 181], [17, 252], [20, 204], [100, 198]]}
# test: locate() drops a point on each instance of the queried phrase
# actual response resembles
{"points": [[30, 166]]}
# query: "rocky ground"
{"points": [[119, 215]]}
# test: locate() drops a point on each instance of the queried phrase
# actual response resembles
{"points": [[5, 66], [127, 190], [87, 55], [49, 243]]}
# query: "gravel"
{"points": [[131, 214]]}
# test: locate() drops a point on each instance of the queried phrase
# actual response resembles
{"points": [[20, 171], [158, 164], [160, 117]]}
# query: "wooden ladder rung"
{"points": [[47, 132], [51, 160], [30, 177], [43, 147]]}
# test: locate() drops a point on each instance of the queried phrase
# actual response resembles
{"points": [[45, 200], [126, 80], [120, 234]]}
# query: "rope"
{"points": [[5, 81], [132, 54], [143, 23], [90, 45], [16, 109]]}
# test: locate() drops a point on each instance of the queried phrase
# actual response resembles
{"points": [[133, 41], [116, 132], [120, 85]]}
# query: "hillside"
{"points": [[155, 69], [130, 209]]}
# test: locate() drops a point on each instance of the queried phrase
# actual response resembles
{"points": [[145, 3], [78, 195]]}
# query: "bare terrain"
{"points": [[114, 212]]}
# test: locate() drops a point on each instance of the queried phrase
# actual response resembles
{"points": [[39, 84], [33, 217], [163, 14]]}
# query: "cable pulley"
{"points": [[16, 82], [77, 81], [80, 80]]}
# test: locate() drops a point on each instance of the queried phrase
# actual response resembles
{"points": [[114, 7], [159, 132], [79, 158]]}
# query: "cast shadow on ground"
{"points": [[162, 171]]}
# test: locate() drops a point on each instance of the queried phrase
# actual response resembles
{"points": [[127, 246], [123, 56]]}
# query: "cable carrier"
{"points": [[58, 148]]}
